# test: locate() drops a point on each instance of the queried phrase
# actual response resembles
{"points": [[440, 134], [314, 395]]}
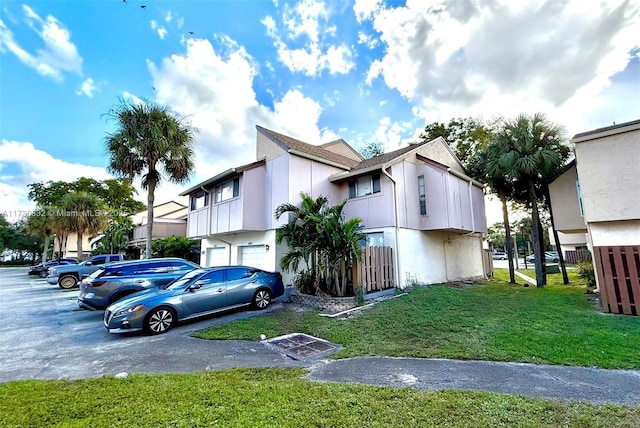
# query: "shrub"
{"points": [[586, 272]]}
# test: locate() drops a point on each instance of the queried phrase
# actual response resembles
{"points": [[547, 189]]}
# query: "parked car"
{"points": [[42, 269], [115, 281], [69, 276], [198, 293], [549, 257], [499, 255]]}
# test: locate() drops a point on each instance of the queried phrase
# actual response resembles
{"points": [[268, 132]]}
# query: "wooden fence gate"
{"points": [[618, 270], [375, 271], [575, 256]]}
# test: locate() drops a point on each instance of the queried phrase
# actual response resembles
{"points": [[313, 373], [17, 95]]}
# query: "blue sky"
{"points": [[363, 70]]}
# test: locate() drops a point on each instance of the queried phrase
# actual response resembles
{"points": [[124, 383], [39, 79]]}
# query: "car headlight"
{"points": [[52, 271], [128, 310]]}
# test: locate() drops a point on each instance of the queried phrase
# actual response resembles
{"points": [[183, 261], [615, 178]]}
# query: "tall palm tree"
{"points": [[82, 214], [151, 142], [531, 148]]}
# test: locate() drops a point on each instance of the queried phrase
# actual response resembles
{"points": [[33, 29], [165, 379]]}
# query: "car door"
{"points": [[240, 285], [206, 293]]}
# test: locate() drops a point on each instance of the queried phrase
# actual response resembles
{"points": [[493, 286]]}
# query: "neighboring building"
{"points": [[169, 218], [598, 195], [416, 200], [68, 246]]}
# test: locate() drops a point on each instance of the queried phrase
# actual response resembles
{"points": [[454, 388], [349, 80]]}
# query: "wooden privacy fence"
{"points": [[575, 256], [375, 271], [618, 270]]}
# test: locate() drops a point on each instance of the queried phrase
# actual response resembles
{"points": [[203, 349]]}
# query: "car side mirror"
{"points": [[195, 286]]}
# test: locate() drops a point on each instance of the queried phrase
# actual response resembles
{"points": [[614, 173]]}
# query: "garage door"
{"points": [[252, 255], [217, 257]]}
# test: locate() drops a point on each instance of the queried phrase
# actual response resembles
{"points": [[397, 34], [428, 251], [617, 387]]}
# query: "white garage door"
{"points": [[252, 255], [217, 257]]}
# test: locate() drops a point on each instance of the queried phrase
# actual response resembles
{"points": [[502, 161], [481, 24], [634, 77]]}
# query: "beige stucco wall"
{"points": [[439, 151], [565, 203], [267, 149], [609, 171]]}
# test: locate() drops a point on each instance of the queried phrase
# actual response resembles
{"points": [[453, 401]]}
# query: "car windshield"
{"points": [[185, 279]]}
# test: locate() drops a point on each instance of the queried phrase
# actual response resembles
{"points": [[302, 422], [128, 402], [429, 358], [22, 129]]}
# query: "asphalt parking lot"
{"points": [[44, 335]]}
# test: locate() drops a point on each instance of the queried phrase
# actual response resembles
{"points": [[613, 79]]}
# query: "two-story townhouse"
{"points": [[598, 194], [416, 200], [169, 218]]}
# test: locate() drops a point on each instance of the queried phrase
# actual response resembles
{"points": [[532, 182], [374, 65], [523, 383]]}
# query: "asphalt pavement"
{"points": [[43, 335]]}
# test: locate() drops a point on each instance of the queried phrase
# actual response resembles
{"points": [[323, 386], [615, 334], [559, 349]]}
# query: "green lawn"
{"points": [[497, 321], [279, 397]]}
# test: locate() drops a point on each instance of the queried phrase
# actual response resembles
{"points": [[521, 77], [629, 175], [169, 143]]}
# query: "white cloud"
{"points": [[59, 54], [367, 40], [302, 45], [463, 58], [162, 32], [214, 90], [88, 88], [168, 16], [32, 165]]}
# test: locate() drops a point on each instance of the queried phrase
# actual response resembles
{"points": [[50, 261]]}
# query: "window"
{"points": [[199, 200], [235, 274], [422, 196], [180, 266], [215, 277], [363, 186], [153, 269], [227, 190], [98, 260], [375, 239]]}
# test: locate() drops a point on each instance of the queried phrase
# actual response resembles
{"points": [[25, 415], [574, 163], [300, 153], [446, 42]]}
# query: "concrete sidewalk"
{"points": [[532, 380]]}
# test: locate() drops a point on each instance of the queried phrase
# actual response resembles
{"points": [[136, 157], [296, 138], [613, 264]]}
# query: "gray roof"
{"points": [[289, 143]]}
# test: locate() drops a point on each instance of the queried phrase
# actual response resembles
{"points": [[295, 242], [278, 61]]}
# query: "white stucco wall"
{"points": [[614, 233], [609, 173], [434, 257]]}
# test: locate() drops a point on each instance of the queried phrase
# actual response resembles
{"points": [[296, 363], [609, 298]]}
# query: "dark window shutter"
{"points": [[352, 189], [236, 187], [376, 183]]}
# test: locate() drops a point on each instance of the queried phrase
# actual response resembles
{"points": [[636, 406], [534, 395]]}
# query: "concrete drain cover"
{"points": [[300, 346]]}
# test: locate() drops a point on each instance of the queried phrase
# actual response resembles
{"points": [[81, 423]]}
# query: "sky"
{"points": [[364, 70]]}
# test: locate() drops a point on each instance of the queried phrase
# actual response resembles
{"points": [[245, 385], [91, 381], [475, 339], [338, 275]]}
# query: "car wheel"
{"points": [[42, 274], [262, 299], [160, 320], [67, 282]]}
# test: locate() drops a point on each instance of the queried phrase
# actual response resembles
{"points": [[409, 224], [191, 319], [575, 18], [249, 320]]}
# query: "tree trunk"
{"points": [[543, 259], [45, 250], [556, 239], [79, 247], [507, 232], [535, 235], [151, 188]]}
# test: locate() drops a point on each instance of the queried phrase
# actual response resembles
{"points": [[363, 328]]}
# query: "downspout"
{"points": [[395, 213]]}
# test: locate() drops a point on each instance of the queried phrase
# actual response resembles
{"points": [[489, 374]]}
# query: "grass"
{"points": [[497, 321], [279, 397]]}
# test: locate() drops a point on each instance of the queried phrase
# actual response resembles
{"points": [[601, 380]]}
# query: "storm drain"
{"points": [[301, 346]]}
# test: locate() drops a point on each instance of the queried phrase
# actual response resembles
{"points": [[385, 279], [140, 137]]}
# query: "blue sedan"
{"points": [[198, 293]]}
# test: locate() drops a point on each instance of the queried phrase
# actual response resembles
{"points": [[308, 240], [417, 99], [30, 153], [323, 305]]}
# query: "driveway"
{"points": [[44, 335]]}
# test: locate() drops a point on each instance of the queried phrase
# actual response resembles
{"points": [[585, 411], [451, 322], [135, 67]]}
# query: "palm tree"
{"points": [[302, 237], [40, 223], [82, 213], [530, 149], [151, 142], [341, 246]]}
